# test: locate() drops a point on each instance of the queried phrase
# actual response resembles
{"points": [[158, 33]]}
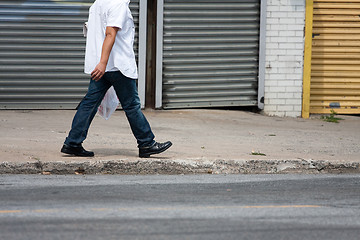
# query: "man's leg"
{"points": [[86, 112], [126, 91]]}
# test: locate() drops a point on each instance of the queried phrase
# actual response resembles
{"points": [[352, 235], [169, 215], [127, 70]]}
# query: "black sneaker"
{"points": [[154, 149], [77, 151]]}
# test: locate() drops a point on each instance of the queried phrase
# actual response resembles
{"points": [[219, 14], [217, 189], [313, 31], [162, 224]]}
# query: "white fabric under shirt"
{"points": [[111, 13]]}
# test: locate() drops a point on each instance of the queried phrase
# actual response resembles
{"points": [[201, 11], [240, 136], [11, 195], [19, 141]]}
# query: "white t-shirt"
{"points": [[111, 13]]}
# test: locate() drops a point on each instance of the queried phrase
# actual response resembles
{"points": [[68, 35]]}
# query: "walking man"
{"points": [[110, 60]]}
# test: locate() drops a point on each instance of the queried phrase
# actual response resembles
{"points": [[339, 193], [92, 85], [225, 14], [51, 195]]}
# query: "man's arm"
{"points": [[108, 44]]}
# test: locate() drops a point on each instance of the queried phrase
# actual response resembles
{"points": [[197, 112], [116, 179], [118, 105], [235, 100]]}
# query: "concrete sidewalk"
{"points": [[205, 141]]}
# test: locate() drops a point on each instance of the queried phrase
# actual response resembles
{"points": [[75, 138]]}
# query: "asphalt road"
{"points": [[180, 207]]}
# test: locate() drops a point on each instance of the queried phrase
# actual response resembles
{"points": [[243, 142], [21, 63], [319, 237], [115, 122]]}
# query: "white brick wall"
{"points": [[284, 57]]}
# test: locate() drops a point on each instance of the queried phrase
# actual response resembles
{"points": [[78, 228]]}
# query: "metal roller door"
{"points": [[335, 76], [210, 53], [42, 52]]}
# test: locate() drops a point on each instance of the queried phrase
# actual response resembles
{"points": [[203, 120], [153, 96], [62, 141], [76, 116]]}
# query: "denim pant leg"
{"points": [[126, 91], [86, 112]]}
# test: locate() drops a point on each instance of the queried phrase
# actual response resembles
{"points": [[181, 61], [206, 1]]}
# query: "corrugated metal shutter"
{"points": [[42, 53], [335, 77], [210, 53]]}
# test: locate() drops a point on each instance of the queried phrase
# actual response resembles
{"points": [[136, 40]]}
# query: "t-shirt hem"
{"points": [[126, 75]]}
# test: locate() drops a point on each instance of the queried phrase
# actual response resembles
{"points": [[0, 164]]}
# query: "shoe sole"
{"points": [[147, 155]]}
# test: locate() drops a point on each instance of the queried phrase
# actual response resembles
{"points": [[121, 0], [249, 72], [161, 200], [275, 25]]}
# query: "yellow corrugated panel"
{"points": [[336, 43], [343, 30], [336, 1], [328, 103], [336, 18], [332, 98], [335, 56], [336, 36], [331, 24], [334, 80], [335, 63], [335, 5], [317, 49]]}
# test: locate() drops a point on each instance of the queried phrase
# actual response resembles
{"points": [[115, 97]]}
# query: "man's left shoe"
{"points": [[154, 149]]}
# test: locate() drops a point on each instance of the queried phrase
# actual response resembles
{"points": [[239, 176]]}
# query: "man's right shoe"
{"points": [[156, 148], [77, 151]]}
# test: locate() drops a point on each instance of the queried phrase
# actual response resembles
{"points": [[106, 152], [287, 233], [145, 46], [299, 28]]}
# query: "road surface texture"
{"points": [[180, 207]]}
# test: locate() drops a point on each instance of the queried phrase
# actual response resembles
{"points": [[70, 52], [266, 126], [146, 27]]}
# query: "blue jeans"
{"points": [[126, 91]]}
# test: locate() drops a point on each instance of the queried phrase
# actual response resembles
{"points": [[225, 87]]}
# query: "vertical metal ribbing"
{"points": [[142, 50], [262, 54], [159, 53]]}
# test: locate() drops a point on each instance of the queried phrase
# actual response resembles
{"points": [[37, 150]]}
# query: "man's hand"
{"points": [[98, 72]]}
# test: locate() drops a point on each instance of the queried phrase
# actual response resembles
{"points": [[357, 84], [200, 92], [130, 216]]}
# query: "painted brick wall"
{"points": [[284, 57]]}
